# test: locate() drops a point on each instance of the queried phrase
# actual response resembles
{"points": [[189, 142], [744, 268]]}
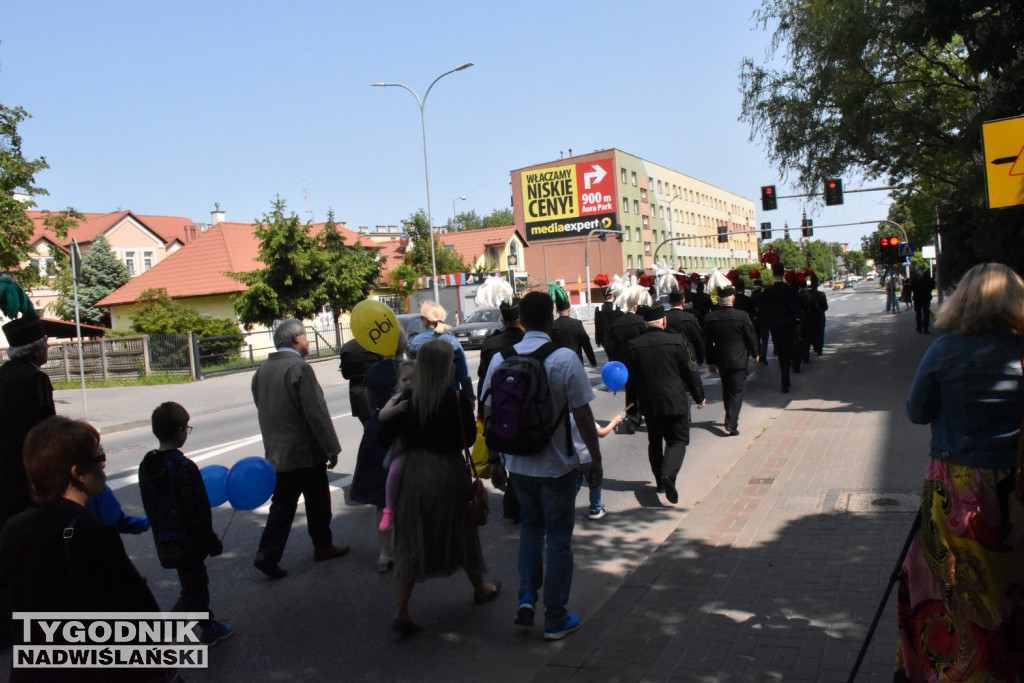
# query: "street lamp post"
{"points": [[463, 198], [426, 167], [671, 229]]}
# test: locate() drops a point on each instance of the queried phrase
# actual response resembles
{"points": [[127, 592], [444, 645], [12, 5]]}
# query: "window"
{"points": [[129, 260], [147, 260], [647, 248], [634, 178], [643, 194], [625, 205], [647, 222], [623, 173], [638, 237], [636, 206], [659, 187]]}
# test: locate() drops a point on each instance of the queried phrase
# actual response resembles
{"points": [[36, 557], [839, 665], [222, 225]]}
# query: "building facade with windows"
{"points": [[665, 216]]}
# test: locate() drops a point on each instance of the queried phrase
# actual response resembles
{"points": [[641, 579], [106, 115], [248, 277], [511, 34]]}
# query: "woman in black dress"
{"points": [[432, 536]]}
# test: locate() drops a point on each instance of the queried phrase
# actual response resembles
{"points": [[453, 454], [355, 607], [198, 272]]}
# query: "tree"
{"points": [[347, 273], [17, 175], [895, 91], [288, 286], [418, 257], [499, 218], [162, 315], [101, 274]]}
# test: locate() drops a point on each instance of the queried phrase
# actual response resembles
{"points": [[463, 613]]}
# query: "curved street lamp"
{"points": [[460, 197], [426, 168]]}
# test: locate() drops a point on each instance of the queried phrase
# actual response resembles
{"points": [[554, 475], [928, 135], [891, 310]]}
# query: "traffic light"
{"points": [[766, 232], [890, 248], [833, 192], [768, 199], [807, 227], [723, 233]]}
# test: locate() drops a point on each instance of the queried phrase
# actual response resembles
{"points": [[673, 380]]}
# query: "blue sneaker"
{"points": [[214, 632], [572, 623], [525, 611]]}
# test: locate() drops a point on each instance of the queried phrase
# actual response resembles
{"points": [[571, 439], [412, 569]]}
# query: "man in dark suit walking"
{"points": [[780, 308], [731, 340], [568, 333], [662, 373], [685, 323]]}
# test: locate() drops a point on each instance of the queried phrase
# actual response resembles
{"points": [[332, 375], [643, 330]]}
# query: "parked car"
{"points": [[478, 326], [411, 323]]}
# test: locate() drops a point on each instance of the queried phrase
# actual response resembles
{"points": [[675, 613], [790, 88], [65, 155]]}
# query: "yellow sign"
{"points": [[550, 194], [1004, 161]]}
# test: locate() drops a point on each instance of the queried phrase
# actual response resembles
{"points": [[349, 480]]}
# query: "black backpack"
{"points": [[523, 416]]}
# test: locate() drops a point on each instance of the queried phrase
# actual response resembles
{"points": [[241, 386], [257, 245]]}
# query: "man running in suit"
{"points": [[731, 340]]}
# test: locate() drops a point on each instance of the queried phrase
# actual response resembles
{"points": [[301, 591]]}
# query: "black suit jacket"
{"points": [[685, 323], [568, 332], [355, 361], [731, 338], [627, 326], [661, 373], [26, 399]]}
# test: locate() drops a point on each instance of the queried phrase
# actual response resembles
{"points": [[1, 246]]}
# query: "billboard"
{"points": [[568, 201]]}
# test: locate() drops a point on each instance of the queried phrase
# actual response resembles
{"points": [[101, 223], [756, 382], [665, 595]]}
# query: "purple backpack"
{"points": [[523, 416]]}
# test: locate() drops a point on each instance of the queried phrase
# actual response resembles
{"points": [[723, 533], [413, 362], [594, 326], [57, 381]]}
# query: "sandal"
{"points": [[481, 598]]}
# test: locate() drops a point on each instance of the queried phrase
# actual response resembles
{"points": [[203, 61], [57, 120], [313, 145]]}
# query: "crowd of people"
{"points": [[961, 585]]}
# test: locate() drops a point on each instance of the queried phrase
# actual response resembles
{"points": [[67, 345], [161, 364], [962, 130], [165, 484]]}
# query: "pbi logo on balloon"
{"points": [[379, 330]]}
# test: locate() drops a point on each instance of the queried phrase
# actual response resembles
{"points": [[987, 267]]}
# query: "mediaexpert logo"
{"points": [[110, 640]]}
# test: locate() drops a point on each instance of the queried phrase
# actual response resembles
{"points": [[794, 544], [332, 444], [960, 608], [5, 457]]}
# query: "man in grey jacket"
{"points": [[300, 442]]}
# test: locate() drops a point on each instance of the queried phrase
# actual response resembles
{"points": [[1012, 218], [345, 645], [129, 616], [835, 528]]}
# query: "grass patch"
{"points": [[152, 380]]}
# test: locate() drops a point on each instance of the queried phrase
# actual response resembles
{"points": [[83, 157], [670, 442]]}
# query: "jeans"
{"points": [[548, 506], [595, 493]]}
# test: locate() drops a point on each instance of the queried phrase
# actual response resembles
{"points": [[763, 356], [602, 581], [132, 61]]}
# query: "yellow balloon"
{"points": [[375, 327]]}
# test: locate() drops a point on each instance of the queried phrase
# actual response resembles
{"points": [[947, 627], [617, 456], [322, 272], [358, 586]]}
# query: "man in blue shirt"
{"points": [[545, 482]]}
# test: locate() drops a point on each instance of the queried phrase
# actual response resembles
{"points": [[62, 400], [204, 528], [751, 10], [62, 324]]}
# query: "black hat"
{"points": [[563, 305], [510, 312], [24, 330], [726, 291], [651, 313], [676, 297]]}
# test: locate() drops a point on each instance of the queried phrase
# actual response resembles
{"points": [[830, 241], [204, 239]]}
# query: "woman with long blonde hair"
{"points": [[432, 534], [961, 592]]}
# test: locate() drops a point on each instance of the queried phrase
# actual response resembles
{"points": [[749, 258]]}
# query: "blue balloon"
{"points": [[614, 375], [251, 482], [216, 479]]}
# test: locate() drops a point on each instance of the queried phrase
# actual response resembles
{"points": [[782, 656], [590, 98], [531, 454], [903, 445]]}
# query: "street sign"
{"points": [[907, 249], [1003, 142]]}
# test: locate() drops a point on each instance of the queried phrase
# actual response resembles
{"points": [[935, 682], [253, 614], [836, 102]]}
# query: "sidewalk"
{"points": [[777, 573]]}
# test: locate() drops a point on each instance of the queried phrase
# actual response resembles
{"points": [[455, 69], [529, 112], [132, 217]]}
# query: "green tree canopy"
{"points": [[17, 175], [101, 274], [895, 91], [347, 273], [471, 220], [160, 314], [418, 257], [288, 284]]}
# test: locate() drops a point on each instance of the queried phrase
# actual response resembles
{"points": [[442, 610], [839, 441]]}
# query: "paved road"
{"points": [[754, 575]]}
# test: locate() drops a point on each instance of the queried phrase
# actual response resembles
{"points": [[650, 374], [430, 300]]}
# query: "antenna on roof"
{"points": [[305, 201]]}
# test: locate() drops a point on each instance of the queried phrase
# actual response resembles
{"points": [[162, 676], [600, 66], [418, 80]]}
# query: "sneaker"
{"points": [[597, 513], [572, 623], [526, 610], [387, 519], [214, 632]]}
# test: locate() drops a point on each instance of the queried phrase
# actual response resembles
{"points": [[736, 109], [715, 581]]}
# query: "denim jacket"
{"points": [[970, 388]]}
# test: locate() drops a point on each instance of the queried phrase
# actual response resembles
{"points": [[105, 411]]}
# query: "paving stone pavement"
{"points": [[777, 573]]}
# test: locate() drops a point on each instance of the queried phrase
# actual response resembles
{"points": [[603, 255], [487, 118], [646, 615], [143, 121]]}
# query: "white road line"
{"points": [[130, 476]]}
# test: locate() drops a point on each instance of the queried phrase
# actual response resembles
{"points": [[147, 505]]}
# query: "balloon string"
{"points": [[225, 534]]}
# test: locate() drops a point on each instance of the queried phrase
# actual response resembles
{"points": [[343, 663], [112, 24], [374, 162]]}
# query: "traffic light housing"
{"points": [[769, 201], [890, 250], [833, 192], [723, 233], [807, 227], [766, 232]]}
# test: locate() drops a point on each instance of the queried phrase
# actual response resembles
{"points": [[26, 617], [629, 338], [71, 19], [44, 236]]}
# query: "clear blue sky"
{"points": [[166, 108]]}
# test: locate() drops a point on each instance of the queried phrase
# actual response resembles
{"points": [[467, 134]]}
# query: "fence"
{"points": [[119, 358], [240, 352]]}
